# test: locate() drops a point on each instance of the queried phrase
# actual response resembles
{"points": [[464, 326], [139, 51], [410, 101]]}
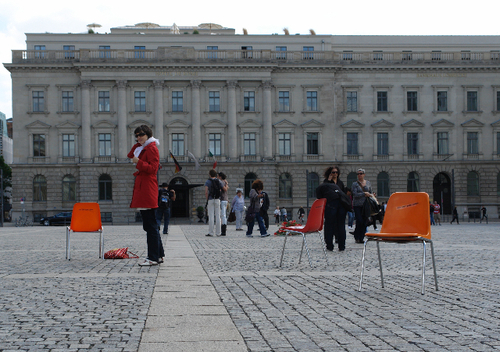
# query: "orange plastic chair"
{"points": [[406, 219], [86, 217], [314, 224]]}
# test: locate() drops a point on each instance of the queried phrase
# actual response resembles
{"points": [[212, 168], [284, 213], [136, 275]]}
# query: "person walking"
{"points": [[361, 189], [238, 206], [437, 213], [254, 208], [223, 203], [165, 199], [334, 225], [455, 216], [350, 214], [301, 213], [264, 207], [284, 216], [213, 191], [146, 157], [484, 216], [277, 215], [431, 209]]}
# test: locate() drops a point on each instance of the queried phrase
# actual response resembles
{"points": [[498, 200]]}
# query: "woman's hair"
{"points": [[257, 185], [329, 170], [222, 175], [145, 129]]}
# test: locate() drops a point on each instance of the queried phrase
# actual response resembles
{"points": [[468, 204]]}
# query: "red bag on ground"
{"points": [[119, 253]]}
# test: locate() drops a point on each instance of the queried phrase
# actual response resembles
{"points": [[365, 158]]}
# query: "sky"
{"points": [[360, 17]]}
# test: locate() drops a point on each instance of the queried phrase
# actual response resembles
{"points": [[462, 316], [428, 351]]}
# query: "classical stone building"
{"points": [[419, 113]]}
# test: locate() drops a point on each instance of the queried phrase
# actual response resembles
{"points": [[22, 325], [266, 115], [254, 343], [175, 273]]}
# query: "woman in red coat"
{"points": [[145, 156]]}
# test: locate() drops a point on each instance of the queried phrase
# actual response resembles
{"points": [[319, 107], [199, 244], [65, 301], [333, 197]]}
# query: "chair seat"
{"points": [[405, 236], [295, 228]]}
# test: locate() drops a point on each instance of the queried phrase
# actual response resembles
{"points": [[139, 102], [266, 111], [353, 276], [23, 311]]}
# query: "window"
{"points": [[281, 54], [140, 101], [308, 55], [177, 144], [39, 145], [249, 178], [38, 101], [378, 55], [407, 55], [352, 143], [107, 217], [472, 101], [472, 183], [381, 101], [104, 144], [247, 52], [312, 101], [68, 145], [177, 101], [284, 101], [411, 100], [249, 143], [442, 143], [351, 178], [213, 53], [498, 100], [69, 51], [383, 184], [498, 143], [67, 101], [285, 186], [68, 188], [312, 184], [249, 101], [472, 143], [39, 188], [312, 143], [352, 101], [412, 143], [39, 51], [413, 182], [214, 143], [284, 143], [104, 52], [383, 143], [498, 184], [139, 52], [105, 187], [103, 101], [214, 101], [442, 101]]}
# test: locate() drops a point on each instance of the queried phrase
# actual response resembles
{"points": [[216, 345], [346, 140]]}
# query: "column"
{"points": [[267, 123], [196, 117], [86, 137], [231, 120], [122, 121], [159, 118]]}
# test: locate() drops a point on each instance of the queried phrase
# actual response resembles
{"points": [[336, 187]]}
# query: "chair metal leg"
{"points": [[423, 269], [304, 242], [380, 265], [101, 245], [434, 265], [323, 245], [283, 251], [68, 248], [362, 266]]}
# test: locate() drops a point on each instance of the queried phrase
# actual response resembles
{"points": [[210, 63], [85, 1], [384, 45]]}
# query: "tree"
{"points": [[7, 173]]}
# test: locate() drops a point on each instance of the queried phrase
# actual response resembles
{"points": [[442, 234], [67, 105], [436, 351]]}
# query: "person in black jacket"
{"points": [[264, 207], [165, 199], [334, 225]]}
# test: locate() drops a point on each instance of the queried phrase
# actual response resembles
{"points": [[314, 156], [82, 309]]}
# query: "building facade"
{"points": [[418, 113]]}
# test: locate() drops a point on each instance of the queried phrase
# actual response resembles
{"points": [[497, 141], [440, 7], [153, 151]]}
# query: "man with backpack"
{"points": [[213, 192], [165, 199]]}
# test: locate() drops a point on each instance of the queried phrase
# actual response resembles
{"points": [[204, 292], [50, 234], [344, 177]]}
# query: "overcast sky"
{"points": [[392, 17]]}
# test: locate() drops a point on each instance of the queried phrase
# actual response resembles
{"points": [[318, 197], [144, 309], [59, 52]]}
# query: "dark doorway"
{"points": [[181, 208], [442, 191]]}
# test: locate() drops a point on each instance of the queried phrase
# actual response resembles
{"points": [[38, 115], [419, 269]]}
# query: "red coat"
{"points": [[146, 184]]}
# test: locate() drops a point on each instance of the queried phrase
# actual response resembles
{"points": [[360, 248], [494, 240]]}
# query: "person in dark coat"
{"points": [[146, 157], [360, 190]]}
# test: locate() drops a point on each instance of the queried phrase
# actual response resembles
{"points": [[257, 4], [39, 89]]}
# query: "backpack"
{"points": [[216, 189], [164, 199]]}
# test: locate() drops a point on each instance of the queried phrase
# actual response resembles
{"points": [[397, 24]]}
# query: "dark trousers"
{"points": [[149, 224], [334, 224], [260, 221], [265, 217], [359, 232], [455, 217], [165, 214]]}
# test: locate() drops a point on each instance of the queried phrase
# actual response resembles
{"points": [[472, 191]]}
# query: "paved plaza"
{"points": [[228, 293]]}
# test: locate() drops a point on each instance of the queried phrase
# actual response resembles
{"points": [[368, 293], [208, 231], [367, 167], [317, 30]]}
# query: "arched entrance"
{"points": [[442, 191], [180, 208]]}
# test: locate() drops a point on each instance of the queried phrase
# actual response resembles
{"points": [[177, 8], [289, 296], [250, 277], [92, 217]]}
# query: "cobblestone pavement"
{"points": [[297, 308]]}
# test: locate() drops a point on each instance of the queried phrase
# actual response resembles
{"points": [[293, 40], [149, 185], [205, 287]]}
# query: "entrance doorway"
{"points": [[442, 191], [181, 207]]}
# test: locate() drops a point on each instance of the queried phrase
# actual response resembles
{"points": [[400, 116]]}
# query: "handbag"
{"points": [[345, 201], [119, 253], [373, 204], [232, 216], [250, 216]]}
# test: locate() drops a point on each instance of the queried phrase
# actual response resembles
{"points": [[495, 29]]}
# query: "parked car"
{"points": [[63, 218]]}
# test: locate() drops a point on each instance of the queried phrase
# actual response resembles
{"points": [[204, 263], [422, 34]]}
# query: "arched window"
{"points": [[249, 178], [383, 184], [285, 185], [351, 178], [105, 187], [413, 182], [312, 184], [472, 183], [69, 188], [39, 188]]}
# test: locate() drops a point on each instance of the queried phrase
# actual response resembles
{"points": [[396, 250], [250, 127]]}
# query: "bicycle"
{"points": [[24, 221]]}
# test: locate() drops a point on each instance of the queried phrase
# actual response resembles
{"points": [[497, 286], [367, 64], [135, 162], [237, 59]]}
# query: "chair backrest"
{"points": [[407, 212], [86, 217], [316, 216]]}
